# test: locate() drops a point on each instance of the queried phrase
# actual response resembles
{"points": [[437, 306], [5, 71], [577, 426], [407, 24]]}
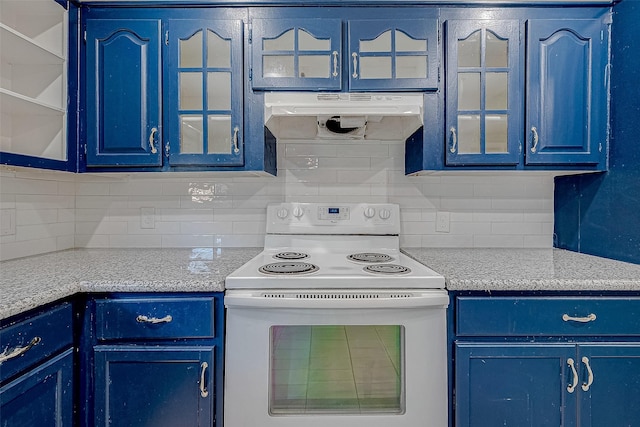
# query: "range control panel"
{"points": [[339, 218], [333, 213]]}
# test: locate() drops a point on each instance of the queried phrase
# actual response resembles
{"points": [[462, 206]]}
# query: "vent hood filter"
{"points": [[342, 116]]}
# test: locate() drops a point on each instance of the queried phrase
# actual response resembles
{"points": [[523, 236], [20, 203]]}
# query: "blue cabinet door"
{"points": [[41, 397], [124, 108], [609, 384], [566, 92], [394, 55], [154, 386], [296, 54], [515, 385], [483, 106], [204, 92]]}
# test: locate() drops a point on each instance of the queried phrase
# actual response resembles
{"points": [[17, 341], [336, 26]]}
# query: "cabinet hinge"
{"points": [[250, 32], [166, 150], [250, 74], [85, 36], [438, 74], [166, 38], [85, 150]]}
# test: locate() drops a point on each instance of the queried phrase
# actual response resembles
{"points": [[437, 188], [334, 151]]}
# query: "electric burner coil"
{"points": [[288, 268], [369, 257], [387, 269]]}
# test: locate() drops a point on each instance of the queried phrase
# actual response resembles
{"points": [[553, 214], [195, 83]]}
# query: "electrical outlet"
{"points": [[7, 222], [147, 218], [442, 221]]}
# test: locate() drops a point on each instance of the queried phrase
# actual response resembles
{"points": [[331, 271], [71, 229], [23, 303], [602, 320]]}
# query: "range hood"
{"points": [[342, 116]]}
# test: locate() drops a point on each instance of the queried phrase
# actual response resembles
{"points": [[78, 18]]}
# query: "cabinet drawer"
{"points": [[547, 316], [32, 340], [151, 318]]}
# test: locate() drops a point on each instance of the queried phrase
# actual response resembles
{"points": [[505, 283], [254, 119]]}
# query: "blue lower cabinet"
{"points": [[154, 386], [514, 385], [41, 397], [609, 384]]}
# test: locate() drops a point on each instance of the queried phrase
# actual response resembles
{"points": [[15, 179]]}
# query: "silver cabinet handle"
{"points": [[145, 319], [590, 318], [534, 131], [354, 55], [236, 150], [571, 387], [18, 351], [335, 63], [203, 388], [454, 140], [152, 140], [585, 386]]}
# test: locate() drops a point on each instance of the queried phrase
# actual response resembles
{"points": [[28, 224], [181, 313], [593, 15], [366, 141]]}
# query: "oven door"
{"points": [[336, 358]]}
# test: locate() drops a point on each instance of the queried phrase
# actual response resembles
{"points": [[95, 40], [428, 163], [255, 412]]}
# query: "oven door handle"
{"points": [[337, 300]]}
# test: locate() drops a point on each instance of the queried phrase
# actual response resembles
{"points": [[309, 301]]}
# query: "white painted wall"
{"points": [[55, 210]]}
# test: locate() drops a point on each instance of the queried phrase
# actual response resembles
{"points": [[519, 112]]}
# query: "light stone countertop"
{"points": [[27, 283], [528, 269], [30, 282]]}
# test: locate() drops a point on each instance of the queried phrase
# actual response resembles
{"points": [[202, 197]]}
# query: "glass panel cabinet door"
{"points": [[205, 87], [296, 53], [483, 111], [393, 56]]}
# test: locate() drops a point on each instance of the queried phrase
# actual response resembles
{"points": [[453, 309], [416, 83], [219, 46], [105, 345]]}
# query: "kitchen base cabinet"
{"points": [[535, 360], [613, 385], [512, 385], [41, 397], [154, 386], [154, 360]]}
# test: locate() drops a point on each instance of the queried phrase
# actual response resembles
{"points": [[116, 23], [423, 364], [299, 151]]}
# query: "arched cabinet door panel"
{"points": [[124, 108], [393, 55], [566, 92], [296, 54]]}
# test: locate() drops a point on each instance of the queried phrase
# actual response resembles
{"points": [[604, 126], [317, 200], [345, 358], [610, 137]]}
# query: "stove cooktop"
{"points": [[333, 246], [324, 269]]}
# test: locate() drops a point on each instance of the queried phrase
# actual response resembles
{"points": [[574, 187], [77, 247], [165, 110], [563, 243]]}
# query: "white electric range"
{"points": [[332, 325]]}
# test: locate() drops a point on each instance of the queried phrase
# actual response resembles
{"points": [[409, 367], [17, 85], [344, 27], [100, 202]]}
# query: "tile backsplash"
{"points": [[55, 210]]}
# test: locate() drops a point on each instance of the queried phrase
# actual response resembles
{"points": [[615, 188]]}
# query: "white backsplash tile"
{"points": [[57, 210]]}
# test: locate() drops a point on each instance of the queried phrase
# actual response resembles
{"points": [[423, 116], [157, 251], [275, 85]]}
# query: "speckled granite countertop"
{"points": [[27, 283], [528, 269]]}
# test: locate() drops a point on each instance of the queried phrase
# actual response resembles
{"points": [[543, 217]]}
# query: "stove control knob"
{"points": [[283, 213], [298, 212], [369, 212], [385, 214]]}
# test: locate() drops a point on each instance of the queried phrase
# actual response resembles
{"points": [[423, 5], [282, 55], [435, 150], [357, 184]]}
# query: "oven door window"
{"points": [[336, 369]]}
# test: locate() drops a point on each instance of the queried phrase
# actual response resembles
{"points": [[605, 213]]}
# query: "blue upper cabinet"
{"points": [[296, 54], [393, 55], [165, 89], [124, 109], [204, 89], [566, 92], [483, 110], [383, 55]]}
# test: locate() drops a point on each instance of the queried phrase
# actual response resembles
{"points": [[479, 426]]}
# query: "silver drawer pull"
{"points": [[590, 318], [18, 351], [571, 387], [145, 319], [203, 388], [585, 386]]}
